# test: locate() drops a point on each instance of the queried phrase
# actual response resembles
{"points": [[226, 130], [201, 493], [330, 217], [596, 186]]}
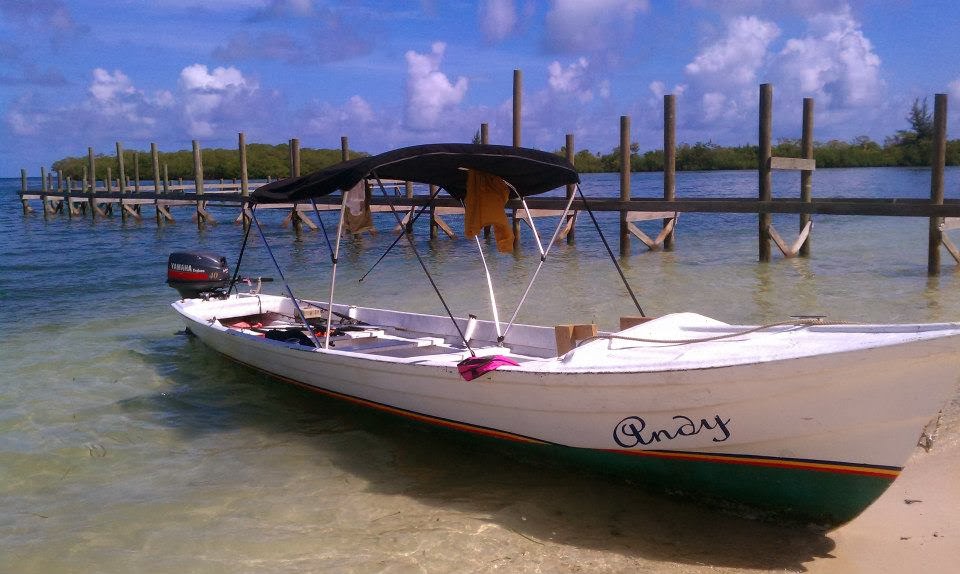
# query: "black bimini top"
{"points": [[529, 171]]}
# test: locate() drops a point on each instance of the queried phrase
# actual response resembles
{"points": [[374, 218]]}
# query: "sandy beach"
{"points": [[914, 526]]}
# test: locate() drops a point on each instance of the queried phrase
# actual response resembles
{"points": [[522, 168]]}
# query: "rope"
{"points": [[794, 323]]}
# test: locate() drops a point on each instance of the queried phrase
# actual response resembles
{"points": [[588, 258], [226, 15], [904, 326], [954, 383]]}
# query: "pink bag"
{"points": [[473, 367]]}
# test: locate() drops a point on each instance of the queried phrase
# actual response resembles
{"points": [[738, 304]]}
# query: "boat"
{"points": [[805, 419]]}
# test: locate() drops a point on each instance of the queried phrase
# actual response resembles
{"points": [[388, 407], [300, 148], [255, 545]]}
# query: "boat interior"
{"points": [[387, 333]]}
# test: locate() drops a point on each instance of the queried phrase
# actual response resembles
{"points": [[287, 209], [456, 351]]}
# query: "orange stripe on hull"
{"points": [[770, 462]]}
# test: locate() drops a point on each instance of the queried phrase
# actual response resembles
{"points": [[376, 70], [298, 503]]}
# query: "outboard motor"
{"points": [[198, 275]]}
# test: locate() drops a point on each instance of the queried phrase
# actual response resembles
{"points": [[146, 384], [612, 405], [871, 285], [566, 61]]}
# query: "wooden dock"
{"points": [[105, 198]]}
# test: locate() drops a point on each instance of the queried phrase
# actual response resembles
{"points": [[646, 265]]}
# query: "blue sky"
{"points": [[391, 73]]}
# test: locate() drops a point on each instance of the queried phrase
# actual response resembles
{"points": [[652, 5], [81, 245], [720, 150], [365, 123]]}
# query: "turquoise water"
{"points": [[125, 445]]}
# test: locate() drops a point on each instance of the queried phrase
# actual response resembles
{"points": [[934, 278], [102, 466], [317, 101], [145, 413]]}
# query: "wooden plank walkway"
{"points": [[892, 207]]}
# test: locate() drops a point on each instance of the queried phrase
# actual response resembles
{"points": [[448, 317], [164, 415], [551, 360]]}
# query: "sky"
{"points": [[79, 73]]}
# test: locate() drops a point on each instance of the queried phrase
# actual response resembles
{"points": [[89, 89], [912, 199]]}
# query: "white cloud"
{"points": [[659, 89], [107, 86], [198, 77], [430, 94], [577, 26], [835, 62], [114, 96], [359, 109], [331, 121], [207, 96], [717, 106], [498, 18], [955, 89], [571, 80], [23, 123], [736, 57]]}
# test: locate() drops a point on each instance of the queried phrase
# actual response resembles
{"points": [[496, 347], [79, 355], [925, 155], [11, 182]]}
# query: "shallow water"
{"points": [[125, 445]]}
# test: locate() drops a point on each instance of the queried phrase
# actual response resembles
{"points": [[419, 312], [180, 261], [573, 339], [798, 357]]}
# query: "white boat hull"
{"points": [[856, 413]]}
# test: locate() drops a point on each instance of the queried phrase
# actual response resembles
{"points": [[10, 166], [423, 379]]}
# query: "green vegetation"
{"points": [[263, 161], [911, 147]]}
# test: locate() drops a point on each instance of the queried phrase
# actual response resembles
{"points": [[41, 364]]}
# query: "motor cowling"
{"points": [[198, 275]]}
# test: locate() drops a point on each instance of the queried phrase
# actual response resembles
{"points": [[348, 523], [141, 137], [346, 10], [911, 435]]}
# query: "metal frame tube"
{"points": [[543, 258], [333, 272], [296, 306]]}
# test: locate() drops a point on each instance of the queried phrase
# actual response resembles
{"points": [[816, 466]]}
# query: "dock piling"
{"points": [[669, 162], [806, 175], [764, 155], [571, 189], [937, 162], [624, 183]]}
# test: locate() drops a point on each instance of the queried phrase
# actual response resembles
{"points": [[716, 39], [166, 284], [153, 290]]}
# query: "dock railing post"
{"points": [[65, 183], [198, 182], [244, 178], [484, 139], [344, 148], [517, 105], [23, 189], [197, 168], [433, 215], [44, 200], [155, 161], [937, 161], [669, 159], [294, 146], [766, 181], [517, 115], [121, 173], [136, 172], [806, 175], [408, 188], [92, 169], [624, 183], [244, 181], [121, 181], [571, 189]]}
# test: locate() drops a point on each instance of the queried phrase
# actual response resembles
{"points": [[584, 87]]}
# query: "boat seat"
{"points": [[382, 345]]}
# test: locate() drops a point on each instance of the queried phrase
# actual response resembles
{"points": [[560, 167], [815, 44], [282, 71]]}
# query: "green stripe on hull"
{"points": [[828, 498]]}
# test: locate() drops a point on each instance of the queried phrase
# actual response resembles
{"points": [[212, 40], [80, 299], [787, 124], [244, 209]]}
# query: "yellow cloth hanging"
{"points": [[356, 215], [486, 197]]}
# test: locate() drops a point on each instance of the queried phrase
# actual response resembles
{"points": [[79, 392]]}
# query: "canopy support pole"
{"points": [[423, 265], [335, 254], [323, 228], [296, 306], [529, 215], [543, 258], [493, 297]]}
